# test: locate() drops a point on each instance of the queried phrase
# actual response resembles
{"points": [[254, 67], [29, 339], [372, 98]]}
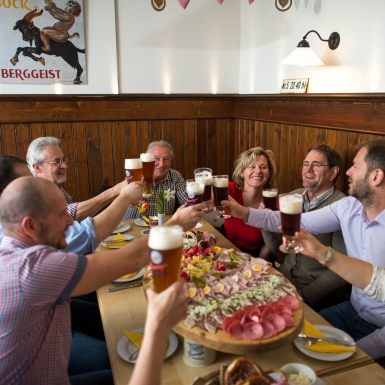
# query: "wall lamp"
{"points": [[303, 55]]}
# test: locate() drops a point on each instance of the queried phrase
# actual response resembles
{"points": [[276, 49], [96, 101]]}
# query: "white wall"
{"points": [[235, 47]]}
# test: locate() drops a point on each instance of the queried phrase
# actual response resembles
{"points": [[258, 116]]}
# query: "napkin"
{"points": [[117, 237], [323, 347], [135, 338]]}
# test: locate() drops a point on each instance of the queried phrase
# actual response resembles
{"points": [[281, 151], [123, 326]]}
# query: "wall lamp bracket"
{"points": [[333, 41]]}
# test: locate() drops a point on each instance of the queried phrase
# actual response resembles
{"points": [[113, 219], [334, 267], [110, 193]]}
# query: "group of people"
{"points": [[49, 304]]}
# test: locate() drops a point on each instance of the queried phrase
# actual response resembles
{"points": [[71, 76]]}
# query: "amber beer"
{"points": [[205, 175], [290, 206], [166, 244], [148, 161], [134, 170], [270, 198], [220, 189]]}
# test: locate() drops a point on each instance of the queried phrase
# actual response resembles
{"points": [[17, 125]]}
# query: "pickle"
{"points": [[232, 264], [234, 256], [219, 276], [199, 283]]}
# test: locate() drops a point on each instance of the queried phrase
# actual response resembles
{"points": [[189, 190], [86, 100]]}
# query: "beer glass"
{"points": [[220, 190], [134, 170], [205, 175], [290, 206], [270, 198], [148, 161], [166, 245], [195, 191]]}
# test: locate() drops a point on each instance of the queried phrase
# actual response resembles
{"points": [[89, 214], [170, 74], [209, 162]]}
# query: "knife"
{"points": [[119, 241], [125, 286], [326, 339]]}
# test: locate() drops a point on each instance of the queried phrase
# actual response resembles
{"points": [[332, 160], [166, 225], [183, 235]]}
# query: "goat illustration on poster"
{"points": [[51, 57]]}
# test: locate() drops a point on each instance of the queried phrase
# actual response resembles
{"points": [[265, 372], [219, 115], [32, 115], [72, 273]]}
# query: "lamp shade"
{"points": [[303, 56]]}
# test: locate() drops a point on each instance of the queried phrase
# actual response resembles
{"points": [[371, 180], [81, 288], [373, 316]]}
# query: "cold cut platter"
{"points": [[237, 304]]}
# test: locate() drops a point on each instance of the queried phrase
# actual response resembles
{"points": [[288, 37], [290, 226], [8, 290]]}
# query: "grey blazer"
{"points": [[307, 274]]}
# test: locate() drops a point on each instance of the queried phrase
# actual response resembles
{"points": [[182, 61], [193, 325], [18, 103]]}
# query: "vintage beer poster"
{"points": [[42, 42]]}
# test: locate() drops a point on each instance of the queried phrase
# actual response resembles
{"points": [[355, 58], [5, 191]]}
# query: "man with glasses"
{"points": [[171, 181], [318, 286], [46, 160]]}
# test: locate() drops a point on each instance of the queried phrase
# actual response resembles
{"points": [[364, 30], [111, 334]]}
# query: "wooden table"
{"points": [[373, 374], [126, 310]]}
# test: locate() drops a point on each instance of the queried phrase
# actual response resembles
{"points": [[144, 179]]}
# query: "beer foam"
{"points": [[221, 182], [165, 237], [132, 164], [147, 157], [291, 204], [195, 187], [206, 179], [269, 193]]}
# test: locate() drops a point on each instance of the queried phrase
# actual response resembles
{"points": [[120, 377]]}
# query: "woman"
{"points": [[254, 171]]}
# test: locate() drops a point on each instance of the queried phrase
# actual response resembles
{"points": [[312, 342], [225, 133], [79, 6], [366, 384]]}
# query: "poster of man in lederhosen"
{"points": [[43, 42]]}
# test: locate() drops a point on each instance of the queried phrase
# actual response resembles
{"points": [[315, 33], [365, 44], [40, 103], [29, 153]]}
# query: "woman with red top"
{"points": [[254, 171]]}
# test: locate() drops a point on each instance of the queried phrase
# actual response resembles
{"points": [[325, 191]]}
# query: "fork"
{"points": [[312, 341], [134, 355]]}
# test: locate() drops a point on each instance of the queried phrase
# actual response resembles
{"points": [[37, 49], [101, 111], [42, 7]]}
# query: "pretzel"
{"points": [[240, 369]]}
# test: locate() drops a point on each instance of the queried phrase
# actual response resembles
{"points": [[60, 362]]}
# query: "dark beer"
{"points": [[220, 189], [166, 245], [204, 175], [148, 161], [134, 170], [270, 198], [195, 191], [290, 206]]}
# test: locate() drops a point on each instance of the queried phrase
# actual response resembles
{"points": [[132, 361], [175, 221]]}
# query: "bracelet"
{"points": [[328, 257]]}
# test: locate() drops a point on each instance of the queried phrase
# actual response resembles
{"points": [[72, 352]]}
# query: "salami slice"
{"points": [[278, 322], [252, 331], [291, 301]]}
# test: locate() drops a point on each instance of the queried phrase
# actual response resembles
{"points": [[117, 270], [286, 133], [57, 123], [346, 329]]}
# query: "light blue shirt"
{"points": [[80, 237], [364, 240]]}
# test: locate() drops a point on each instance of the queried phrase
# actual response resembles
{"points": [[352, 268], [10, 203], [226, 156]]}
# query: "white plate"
{"points": [[140, 222], [276, 377], [136, 276], [125, 347], [329, 331], [123, 226], [111, 238]]}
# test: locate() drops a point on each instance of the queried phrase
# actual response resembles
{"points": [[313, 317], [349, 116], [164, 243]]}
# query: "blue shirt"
{"points": [[364, 240], [80, 237]]}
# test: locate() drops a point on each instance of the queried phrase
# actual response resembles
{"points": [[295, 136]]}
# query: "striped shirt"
{"points": [[173, 181], [35, 320], [71, 205]]}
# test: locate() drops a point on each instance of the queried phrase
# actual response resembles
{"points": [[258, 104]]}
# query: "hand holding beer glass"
{"points": [[148, 161], [195, 191], [134, 170], [205, 175], [290, 206], [269, 197], [166, 246], [220, 189]]}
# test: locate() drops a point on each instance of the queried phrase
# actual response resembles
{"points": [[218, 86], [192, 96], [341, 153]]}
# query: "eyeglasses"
{"points": [[313, 165], [58, 162]]}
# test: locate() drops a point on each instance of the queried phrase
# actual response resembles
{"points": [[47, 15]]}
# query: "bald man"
{"points": [[37, 282]]}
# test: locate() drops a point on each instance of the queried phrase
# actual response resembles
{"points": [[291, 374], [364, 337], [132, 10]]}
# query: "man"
{"points": [[361, 217], [318, 286], [46, 160], [37, 281], [171, 181]]}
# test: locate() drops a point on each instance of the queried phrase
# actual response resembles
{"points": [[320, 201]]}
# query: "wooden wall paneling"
{"points": [[209, 144], [131, 139], [201, 143], [8, 140], [118, 155], [23, 139], [155, 131], [93, 156], [143, 138], [225, 159], [186, 154], [231, 144], [168, 132], [106, 154], [276, 134]]}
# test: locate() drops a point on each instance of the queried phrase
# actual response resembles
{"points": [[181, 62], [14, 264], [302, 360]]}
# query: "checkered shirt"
{"points": [[35, 320], [71, 205]]}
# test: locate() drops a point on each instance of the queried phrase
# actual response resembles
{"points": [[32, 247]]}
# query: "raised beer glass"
{"points": [[205, 175], [290, 206], [195, 191], [220, 190], [134, 170], [166, 245], [270, 198], [148, 161]]}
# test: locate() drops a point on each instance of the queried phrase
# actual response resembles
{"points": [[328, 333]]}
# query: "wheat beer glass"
{"points": [[166, 244], [195, 191], [220, 190], [134, 170], [290, 206], [270, 198], [205, 175], [148, 161]]}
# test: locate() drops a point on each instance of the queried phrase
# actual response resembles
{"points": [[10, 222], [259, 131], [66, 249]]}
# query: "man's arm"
{"points": [[92, 206]]}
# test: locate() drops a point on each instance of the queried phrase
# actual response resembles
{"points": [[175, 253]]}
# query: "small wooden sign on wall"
{"points": [[294, 86]]}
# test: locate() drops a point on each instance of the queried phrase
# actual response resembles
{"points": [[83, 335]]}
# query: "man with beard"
{"points": [[361, 218], [318, 286]]}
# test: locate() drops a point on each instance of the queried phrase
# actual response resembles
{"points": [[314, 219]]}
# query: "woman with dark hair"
{"points": [[254, 171]]}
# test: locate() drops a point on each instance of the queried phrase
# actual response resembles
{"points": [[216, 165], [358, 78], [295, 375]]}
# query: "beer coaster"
{"points": [[146, 232]]}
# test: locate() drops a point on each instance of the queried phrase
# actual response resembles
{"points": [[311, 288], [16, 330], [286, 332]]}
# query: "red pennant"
{"points": [[184, 3]]}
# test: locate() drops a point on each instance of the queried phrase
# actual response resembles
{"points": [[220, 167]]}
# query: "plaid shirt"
{"points": [[35, 320], [173, 181], [71, 205]]}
